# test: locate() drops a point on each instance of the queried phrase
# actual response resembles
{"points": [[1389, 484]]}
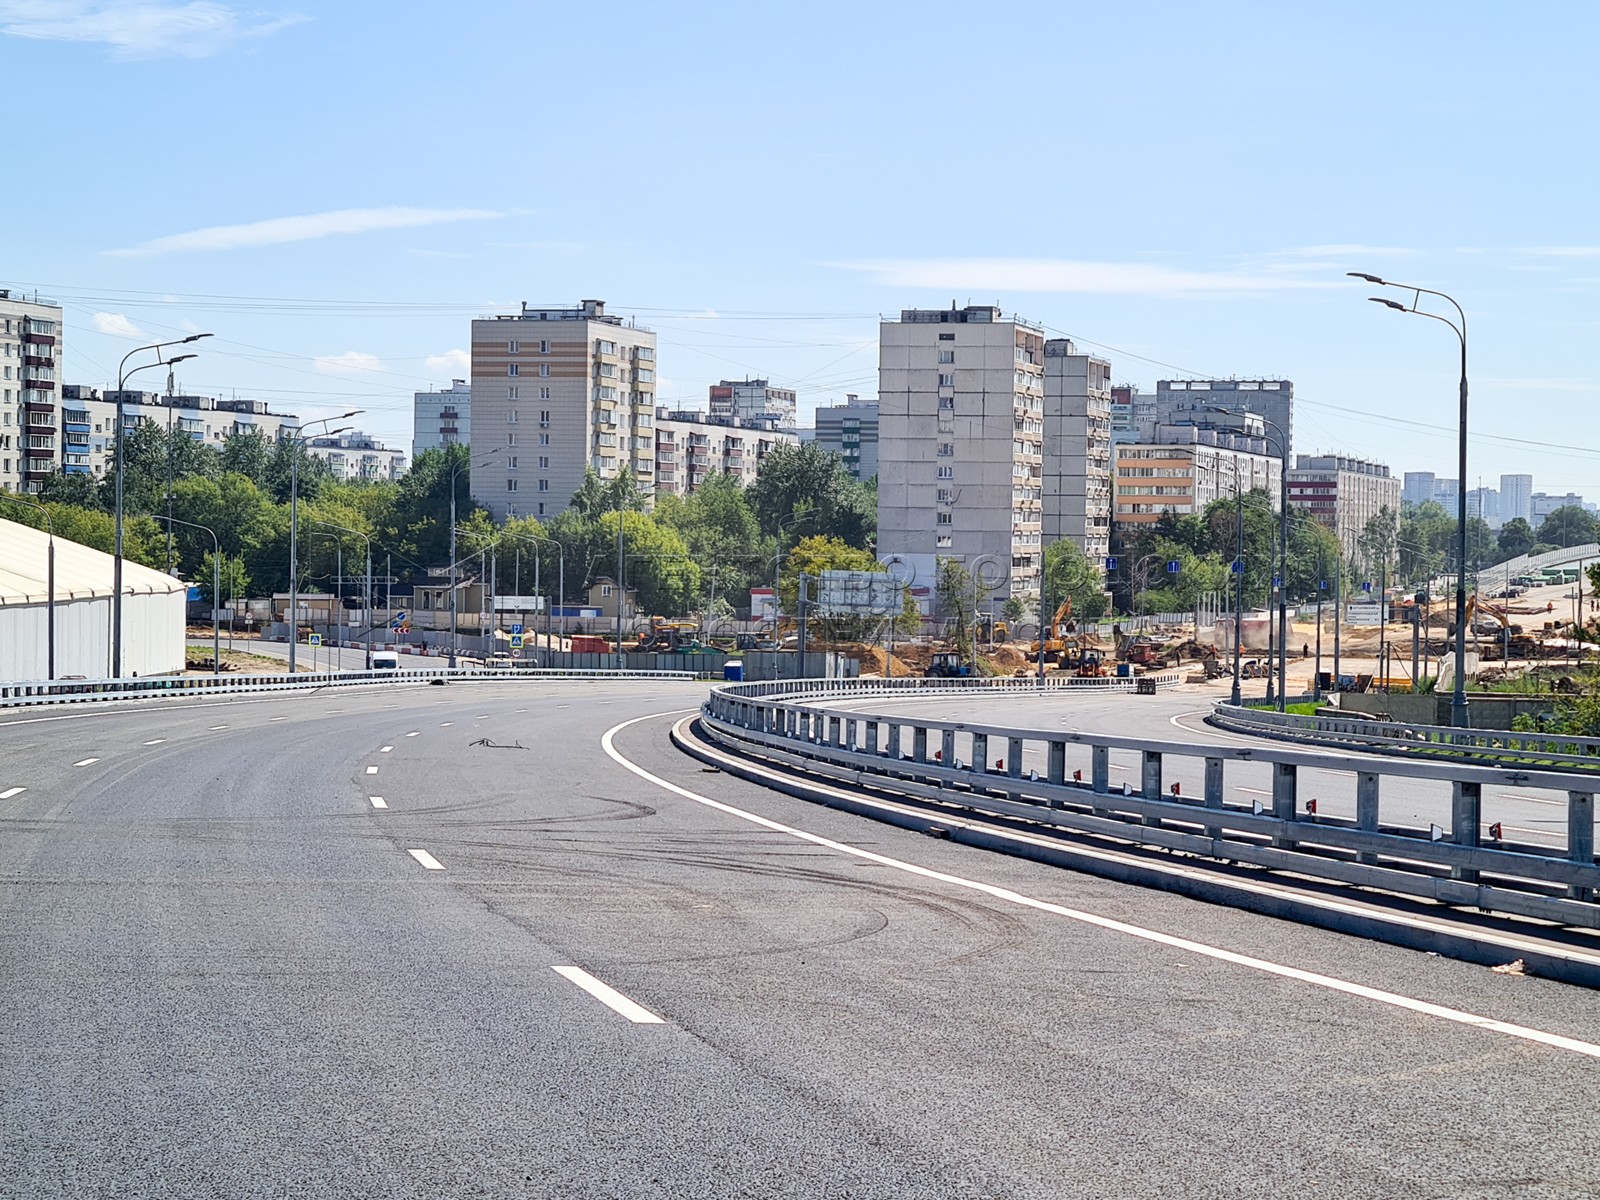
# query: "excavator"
{"points": [[666, 636], [1512, 642], [1059, 648]]}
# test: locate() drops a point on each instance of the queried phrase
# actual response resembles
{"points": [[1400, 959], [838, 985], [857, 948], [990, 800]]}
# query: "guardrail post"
{"points": [[872, 737], [919, 744], [835, 728], [980, 752], [1285, 795], [1466, 805], [1100, 769], [947, 747], [1367, 809], [1580, 837], [894, 740], [1056, 769], [1213, 783], [851, 728], [1014, 757], [1150, 781]]}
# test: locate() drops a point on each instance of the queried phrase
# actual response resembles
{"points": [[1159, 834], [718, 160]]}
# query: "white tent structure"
{"points": [[152, 611]]}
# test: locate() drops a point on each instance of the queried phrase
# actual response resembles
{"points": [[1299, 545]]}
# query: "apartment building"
{"points": [[1181, 468], [30, 364], [1077, 448], [753, 399], [1344, 494], [357, 456], [1516, 497], [1270, 399], [556, 390], [692, 446], [849, 430], [1132, 413], [89, 422], [961, 417], [441, 418]]}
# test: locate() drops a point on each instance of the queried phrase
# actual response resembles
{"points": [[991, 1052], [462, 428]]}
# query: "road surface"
{"points": [[500, 939]]}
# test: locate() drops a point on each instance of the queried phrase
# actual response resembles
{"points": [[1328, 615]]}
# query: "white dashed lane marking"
{"points": [[372, 770], [379, 802], [607, 995], [155, 741], [426, 859], [85, 762], [10, 792], [415, 733], [386, 750]]}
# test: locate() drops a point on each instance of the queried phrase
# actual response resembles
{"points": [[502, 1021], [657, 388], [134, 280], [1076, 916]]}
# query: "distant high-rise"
{"points": [[1417, 487], [850, 430], [441, 418], [1516, 497], [1344, 494], [555, 391], [1270, 399], [30, 348], [751, 400]]}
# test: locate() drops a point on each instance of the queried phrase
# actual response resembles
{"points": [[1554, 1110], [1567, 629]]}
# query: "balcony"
{"points": [[37, 360], [38, 339]]}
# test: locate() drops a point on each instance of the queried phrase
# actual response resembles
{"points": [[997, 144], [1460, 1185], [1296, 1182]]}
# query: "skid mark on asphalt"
{"points": [[1216, 953]]}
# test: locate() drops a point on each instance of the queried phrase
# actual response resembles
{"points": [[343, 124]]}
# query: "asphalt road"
{"points": [[227, 971], [1532, 815], [342, 658]]}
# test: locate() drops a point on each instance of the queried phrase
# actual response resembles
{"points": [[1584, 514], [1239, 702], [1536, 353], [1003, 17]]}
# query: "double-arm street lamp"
{"points": [[50, 582], [1458, 698], [561, 582], [465, 464], [298, 440], [123, 375]]}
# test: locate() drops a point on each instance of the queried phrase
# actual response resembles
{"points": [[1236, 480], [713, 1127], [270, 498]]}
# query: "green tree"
{"points": [[1569, 525], [1516, 538], [657, 562], [808, 483], [1069, 573], [234, 579], [247, 453], [955, 589], [78, 490]]}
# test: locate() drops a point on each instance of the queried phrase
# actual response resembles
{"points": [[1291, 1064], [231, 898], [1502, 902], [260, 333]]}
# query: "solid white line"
{"points": [[426, 859], [10, 792], [1394, 999], [372, 770], [609, 996], [85, 762], [155, 741], [386, 750], [379, 802]]}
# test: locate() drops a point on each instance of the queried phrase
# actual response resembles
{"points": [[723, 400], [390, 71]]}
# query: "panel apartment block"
{"points": [[441, 418], [89, 422], [850, 430], [1077, 449], [1343, 493], [1270, 399], [693, 446], [30, 365], [961, 445], [556, 390]]}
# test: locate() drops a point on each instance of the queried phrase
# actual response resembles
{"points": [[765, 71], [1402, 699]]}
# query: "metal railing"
{"points": [[1417, 741], [85, 691], [795, 689], [981, 768]]}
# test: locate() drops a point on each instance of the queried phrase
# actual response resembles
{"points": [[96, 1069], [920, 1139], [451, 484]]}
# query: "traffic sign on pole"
{"points": [[1174, 566], [516, 641], [1111, 564]]}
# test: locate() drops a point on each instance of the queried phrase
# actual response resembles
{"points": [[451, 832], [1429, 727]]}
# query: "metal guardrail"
{"points": [[76, 691], [1417, 741], [922, 687], [924, 757]]}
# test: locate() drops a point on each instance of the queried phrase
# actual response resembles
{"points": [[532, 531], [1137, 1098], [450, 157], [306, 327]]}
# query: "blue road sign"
{"points": [[314, 640], [516, 641], [1238, 566], [1111, 564], [400, 616], [1322, 585], [1366, 587], [517, 628], [1173, 567], [1277, 581]]}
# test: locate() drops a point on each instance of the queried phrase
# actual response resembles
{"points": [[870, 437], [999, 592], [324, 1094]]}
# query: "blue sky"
{"points": [[335, 190]]}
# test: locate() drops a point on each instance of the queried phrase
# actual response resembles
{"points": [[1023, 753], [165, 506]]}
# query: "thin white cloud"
{"points": [[278, 230], [351, 362], [115, 324], [457, 364], [141, 28], [1564, 251], [990, 275]]}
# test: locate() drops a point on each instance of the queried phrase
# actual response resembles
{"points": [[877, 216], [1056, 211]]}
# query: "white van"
{"points": [[385, 660]]}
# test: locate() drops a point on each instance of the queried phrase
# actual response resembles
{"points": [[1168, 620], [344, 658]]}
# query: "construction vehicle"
{"points": [[1090, 666], [949, 666], [1056, 646], [1141, 652], [987, 629], [664, 636]]}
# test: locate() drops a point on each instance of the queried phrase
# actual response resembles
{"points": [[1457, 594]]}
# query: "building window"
{"points": [[946, 449], [605, 590], [511, 369], [511, 485], [947, 337], [544, 485], [511, 463], [947, 356], [943, 541], [947, 381], [544, 439], [947, 472], [544, 393], [544, 346], [511, 347], [544, 416], [946, 519], [544, 369], [511, 393], [544, 462], [541, 508], [511, 439], [511, 416]]}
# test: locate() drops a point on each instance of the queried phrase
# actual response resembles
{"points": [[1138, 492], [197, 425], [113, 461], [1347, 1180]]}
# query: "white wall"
{"points": [[153, 637]]}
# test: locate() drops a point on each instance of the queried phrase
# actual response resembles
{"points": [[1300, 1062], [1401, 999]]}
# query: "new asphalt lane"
{"points": [[228, 971]]}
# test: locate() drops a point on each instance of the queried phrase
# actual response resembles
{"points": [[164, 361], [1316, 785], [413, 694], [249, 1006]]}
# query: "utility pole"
{"points": [[621, 588], [1238, 582], [1338, 615], [1316, 674]]}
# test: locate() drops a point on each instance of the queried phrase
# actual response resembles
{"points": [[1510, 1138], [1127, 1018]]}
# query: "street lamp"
{"points": [[216, 587], [561, 582], [1458, 699], [50, 585], [123, 375], [356, 532], [298, 440], [464, 465]]}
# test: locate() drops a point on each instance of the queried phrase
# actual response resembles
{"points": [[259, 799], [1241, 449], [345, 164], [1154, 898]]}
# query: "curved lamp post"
{"points": [[465, 465], [368, 541], [216, 586], [1458, 699], [123, 375], [298, 440]]}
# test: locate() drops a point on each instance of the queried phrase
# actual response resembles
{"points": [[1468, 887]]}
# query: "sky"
{"points": [[335, 191]]}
